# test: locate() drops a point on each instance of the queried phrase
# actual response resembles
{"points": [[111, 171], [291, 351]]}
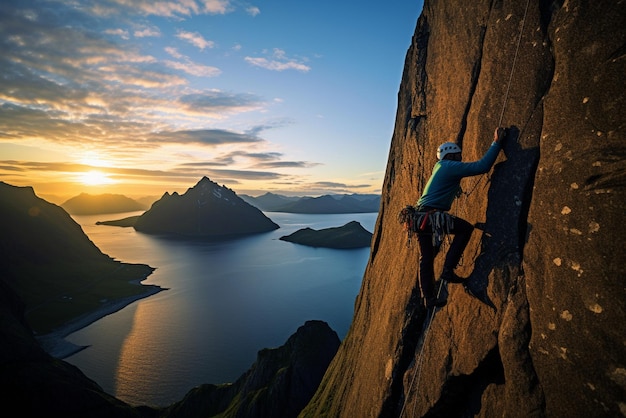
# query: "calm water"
{"points": [[225, 302]]}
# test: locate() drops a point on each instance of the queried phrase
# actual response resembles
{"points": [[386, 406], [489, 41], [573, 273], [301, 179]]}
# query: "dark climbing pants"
{"points": [[462, 232]]}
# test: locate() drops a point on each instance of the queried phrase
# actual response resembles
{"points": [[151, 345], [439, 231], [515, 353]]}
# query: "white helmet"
{"points": [[447, 148]]}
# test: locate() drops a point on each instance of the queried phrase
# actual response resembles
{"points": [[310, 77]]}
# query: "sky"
{"points": [[142, 97]]}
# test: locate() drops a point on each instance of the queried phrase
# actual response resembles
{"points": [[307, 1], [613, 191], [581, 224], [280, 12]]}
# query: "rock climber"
{"points": [[434, 221]]}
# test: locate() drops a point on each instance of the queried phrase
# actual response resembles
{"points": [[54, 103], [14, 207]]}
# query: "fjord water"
{"points": [[225, 301]]}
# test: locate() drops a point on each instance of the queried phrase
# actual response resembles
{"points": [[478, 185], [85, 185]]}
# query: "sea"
{"points": [[224, 302]]}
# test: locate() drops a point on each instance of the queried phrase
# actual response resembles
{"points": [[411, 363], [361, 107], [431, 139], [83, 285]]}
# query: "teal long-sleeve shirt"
{"points": [[445, 180]]}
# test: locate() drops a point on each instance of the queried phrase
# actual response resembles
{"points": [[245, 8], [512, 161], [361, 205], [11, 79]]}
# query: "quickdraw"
{"points": [[441, 223]]}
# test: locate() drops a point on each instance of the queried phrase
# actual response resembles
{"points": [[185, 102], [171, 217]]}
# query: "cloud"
{"points": [[194, 69], [174, 52], [195, 39], [286, 164], [216, 100], [217, 6], [253, 10], [278, 61], [147, 32], [257, 160], [204, 136], [117, 32], [183, 171], [188, 66]]}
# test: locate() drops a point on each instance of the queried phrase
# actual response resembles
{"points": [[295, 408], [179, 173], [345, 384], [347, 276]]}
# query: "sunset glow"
{"points": [[95, 178], [142, 100]]}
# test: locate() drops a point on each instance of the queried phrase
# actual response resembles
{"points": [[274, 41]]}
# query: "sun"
{"points": [[95, 178]]}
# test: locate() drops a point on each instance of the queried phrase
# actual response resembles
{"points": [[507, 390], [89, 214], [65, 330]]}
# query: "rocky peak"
{"points": [[204, 210]]}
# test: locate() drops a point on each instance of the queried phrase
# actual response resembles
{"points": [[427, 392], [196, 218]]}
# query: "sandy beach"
{"points": [[54, 343]]}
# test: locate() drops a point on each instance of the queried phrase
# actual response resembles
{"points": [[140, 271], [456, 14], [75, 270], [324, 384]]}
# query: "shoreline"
{"points": [[54, 342]]}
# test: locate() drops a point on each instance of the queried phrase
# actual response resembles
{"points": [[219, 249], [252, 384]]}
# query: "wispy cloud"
{"points": [[278, 61], [253, 11], [286, 164], [183, 171], [195, 39], [204, 136], [194, 69], [122, 33], [216, 100], [146, 32]]}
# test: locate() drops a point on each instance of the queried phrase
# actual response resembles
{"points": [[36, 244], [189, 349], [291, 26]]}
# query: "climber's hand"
{"points": [[499, 135]]}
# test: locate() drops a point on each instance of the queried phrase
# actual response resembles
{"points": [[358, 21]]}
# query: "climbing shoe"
{"points": [[450, 276]]}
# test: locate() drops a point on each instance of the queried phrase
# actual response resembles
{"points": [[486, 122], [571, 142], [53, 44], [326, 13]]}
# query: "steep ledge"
{"points": [[547, 337]]}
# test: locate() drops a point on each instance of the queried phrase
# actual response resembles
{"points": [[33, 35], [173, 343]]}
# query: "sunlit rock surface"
{"points": [[547, 338]]}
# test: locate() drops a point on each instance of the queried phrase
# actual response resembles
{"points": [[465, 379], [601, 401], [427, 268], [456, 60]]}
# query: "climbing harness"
{"points": [[416, 221]]}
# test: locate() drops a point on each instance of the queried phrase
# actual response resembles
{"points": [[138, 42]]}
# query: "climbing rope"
{"points": [[519, 40], [417, 373], [418, 366], [508, 87]]}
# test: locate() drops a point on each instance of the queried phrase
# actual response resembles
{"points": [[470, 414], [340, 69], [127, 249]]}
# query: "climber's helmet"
{"points": [[447, 148]]}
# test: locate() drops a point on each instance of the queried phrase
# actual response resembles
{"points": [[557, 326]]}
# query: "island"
{"points": [[351, 235]]}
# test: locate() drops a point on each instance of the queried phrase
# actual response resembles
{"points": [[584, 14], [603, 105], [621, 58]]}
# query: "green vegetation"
{"points": [[58, 273], [67, 292]]}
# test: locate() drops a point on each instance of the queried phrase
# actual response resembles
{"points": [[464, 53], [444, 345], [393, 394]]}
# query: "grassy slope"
{"points": [[53, 266]]}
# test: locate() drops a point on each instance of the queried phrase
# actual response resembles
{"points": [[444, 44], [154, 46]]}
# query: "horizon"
{"points": [[146, 99], [60, 200]]}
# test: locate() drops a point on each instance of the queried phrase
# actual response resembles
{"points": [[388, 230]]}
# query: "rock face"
{"points": [[205, 210], [351, 235], [549, 254]]}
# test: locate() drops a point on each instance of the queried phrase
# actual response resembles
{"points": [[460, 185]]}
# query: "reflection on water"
{"points": [[226, 301]]}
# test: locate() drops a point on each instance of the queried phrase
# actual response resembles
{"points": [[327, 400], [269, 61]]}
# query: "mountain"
{"points": [[86, 204], [351, 235], [325, 204], [269, 202], [549, 250], [51, 264], [205, 210], [279, 384]]}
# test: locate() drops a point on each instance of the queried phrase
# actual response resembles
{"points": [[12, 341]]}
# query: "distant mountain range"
{"points": [[326, 204], [86, 204], [205, 210]]}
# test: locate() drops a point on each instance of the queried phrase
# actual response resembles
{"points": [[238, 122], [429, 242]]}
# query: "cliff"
{"points": [[205, 210], [56, 270], [547, 339], [279, 384]]}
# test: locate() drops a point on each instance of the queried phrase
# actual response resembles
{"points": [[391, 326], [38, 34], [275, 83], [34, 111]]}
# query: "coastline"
{"points": [[54, 343]]}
